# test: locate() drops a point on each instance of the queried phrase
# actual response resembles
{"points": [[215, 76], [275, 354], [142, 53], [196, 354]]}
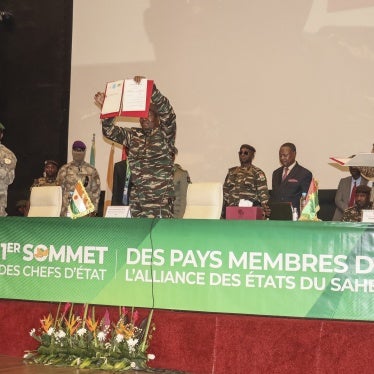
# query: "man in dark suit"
{"points": [[344, 191], [119, 179], [291, 179]]}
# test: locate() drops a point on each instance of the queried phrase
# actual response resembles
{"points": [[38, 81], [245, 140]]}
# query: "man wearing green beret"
{"points": [[8, 163]]}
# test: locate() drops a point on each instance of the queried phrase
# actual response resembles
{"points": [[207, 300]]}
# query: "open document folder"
{"points": [[361, 159], [127, 98]]}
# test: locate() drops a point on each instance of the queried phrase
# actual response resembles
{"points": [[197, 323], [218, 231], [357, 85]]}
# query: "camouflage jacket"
{"points": [[40, 182], [245, 183], [8, 163], [68, 176], [354, 214], [150, 153]]}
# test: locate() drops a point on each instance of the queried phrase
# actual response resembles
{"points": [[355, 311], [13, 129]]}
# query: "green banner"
{"points": [[298, 269]]}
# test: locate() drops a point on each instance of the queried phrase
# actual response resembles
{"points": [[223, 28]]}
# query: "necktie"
{"points": [[285, 173], [353, 196]]}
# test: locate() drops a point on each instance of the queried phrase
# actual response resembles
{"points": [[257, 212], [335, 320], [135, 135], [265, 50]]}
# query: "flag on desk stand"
{"points": [[93, 151], [309, 213], [109, 179], [80, 204]]}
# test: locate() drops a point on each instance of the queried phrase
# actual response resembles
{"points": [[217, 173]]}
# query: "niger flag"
{"points": [[80, 203]]}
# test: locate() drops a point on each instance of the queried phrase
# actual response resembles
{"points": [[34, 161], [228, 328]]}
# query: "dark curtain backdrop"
{"points": [[35, 60]]}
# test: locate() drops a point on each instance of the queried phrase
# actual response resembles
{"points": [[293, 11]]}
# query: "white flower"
{"points": [[32, 332], [81, 331], [101, 336], [61, 334], [119, 338], [133, 364], [151, 356], [132, 343], [51, 330]]}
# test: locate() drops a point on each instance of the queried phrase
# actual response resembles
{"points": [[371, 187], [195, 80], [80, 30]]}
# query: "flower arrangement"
{"points": [[81, 341]]}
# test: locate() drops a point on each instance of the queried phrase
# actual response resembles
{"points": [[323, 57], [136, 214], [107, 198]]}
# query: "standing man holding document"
{"points": [[151, 149]]}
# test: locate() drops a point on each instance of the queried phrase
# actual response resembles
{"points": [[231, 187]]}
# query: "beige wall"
{"points": [[236, 71]]}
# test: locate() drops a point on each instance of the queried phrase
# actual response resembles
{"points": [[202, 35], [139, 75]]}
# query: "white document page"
{"points": [[134, 96], [118, 211], [113, 97], [368, 215]]}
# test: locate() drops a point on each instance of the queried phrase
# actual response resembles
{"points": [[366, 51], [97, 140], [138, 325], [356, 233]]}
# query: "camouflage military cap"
{"points": [[53, 162], [363, 189], [247, 146]]}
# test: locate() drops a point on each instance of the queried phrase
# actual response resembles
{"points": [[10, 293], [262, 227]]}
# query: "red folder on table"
{"points": [[122, 100], [249, 213]]}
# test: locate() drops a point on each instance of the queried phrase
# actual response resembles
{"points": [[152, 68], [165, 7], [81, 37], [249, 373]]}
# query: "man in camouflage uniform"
{"points": [[246, 182], [70, 173], [49, 175], [362, 201], [8, 163], [150, 154]]}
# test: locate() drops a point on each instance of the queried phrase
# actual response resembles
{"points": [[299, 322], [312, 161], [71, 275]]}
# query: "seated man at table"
{"points": [[362, 201], [245, 182]]}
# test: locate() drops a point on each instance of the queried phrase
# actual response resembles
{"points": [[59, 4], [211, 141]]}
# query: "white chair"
{"points": [[45, 201], [204, 200]]}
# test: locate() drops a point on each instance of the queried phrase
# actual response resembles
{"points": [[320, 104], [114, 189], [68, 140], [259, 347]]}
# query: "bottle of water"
{"points": [[295, 216], [302, 201]]}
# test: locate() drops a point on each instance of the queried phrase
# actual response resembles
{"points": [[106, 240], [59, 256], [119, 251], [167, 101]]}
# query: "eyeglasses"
{"points": [[243, 153]]}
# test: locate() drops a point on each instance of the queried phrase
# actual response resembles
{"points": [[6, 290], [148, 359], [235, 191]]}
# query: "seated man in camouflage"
{"points": [[78, 170], [49, 175], [362, 201], [246, 181]]}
